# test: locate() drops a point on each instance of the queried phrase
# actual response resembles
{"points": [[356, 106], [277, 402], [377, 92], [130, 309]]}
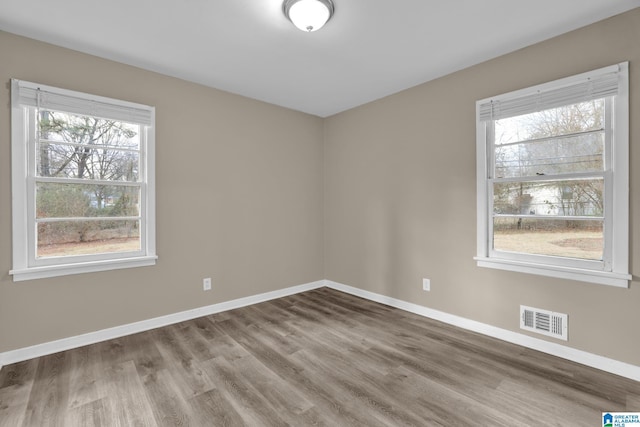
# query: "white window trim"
{"points": [[616, 274], [24, 265]]}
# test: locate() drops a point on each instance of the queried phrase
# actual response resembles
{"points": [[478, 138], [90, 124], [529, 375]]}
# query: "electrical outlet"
{"points": [[426, 284], [206, 284]]}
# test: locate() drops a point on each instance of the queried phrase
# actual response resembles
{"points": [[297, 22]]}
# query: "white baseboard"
{"points": [[589, 359], [51, 347], [579, 356]]}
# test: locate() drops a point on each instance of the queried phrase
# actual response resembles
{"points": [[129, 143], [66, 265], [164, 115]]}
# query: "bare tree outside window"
{"points": [[547, 202], [87, 192]]}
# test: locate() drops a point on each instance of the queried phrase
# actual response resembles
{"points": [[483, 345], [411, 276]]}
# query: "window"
{"points": [[553, 178], [82, 182]]}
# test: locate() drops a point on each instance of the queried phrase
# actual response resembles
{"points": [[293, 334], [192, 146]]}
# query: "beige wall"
{"points": [[400, 196], [239, 199]]}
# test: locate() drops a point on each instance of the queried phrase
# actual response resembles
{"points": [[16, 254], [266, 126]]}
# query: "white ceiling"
{"points": [[369, 49]]}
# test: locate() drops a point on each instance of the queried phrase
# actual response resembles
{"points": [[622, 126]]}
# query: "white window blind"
{"points": [[586, 87], [35, 95]]}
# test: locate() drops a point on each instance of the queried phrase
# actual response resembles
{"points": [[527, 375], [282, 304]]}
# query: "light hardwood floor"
{"points": [[318, 358]]}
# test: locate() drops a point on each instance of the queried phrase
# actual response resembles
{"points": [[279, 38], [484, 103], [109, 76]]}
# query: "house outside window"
{"points": [[82, 182], [553, 178]]}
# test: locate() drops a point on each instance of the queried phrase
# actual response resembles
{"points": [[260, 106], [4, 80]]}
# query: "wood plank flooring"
{"points": [[320, 358]]}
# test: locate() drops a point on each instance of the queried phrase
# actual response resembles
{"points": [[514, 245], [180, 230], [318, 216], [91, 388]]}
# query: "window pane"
{"points": [[68, 238], [83, 147], [555, 198], [569, 154], [553, 237], [566, 120], [55, 200]]}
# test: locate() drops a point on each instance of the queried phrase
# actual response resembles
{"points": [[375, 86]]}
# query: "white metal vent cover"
{"points": [[544, 322]]}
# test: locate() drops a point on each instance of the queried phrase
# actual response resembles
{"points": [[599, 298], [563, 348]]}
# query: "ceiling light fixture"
{"points": [[308, 15]]}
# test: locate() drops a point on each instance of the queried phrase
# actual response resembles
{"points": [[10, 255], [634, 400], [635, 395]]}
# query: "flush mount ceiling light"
{"points": [[308, 15]]}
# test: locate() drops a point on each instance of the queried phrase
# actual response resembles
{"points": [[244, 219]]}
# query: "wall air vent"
{"points": [[544, 322]]}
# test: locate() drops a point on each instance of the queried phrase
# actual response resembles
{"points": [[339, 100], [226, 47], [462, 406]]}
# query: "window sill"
{"points": [[77, 268], [620, 280]]}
